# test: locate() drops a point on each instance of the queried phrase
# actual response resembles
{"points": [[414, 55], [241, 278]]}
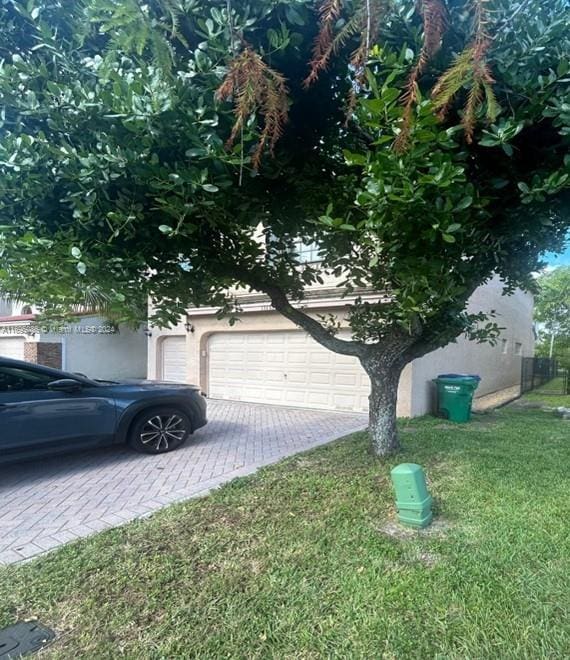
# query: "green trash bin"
{"points": [[455, 396]]}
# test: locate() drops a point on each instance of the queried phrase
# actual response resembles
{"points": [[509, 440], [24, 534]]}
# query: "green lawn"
{"points": [[295, 562], [544, 394]]}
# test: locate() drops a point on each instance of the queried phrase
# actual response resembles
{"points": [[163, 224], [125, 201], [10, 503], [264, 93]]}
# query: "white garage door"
{"points": [[12, 347], [287, 368], [173, 355]]}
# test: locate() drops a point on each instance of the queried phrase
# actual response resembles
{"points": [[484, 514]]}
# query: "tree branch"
{"points": [[314, 328]]}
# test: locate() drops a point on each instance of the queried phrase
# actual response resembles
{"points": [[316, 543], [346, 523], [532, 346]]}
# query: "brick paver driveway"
{"points": [[50, 502]]}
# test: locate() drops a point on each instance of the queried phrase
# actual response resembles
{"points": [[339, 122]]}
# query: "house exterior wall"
{"points": [[204, 325], [100, 355], [499, 366], [48, 354], [94, 353], [498, 370]]}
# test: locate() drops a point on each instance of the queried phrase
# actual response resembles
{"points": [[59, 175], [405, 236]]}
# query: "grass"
{"points": [[545, 394], [295, 562]]}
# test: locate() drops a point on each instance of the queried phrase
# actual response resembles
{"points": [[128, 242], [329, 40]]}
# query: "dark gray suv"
{"points": [[47, 411]]}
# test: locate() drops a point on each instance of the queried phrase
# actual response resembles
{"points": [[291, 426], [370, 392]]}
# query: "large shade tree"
{"points": [[552, 311], [177, 148]]}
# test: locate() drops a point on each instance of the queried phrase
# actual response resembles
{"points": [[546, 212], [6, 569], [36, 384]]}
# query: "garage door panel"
{"points": [[297, 357], [274, 377], [174, 359], [296, 396], [346, 401], [321, 378], [344, 360], [320, 399], [318, 358], [287, 368], [274, 340], [347, 380], [12, 347], [297, 376], [299, 342]]}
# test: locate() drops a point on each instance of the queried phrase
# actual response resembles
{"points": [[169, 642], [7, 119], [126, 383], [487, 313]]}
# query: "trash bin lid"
{"points": [[458, 382], [474, 376]]}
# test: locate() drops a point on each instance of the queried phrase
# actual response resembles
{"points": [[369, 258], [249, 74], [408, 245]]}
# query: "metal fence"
{"points": [[545, 373]]}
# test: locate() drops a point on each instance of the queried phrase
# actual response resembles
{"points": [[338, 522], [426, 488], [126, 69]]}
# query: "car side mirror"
{"points": [[64, 385]]}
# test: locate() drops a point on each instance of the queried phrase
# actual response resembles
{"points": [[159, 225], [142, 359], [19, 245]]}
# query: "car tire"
{"points": [[159, 430]]}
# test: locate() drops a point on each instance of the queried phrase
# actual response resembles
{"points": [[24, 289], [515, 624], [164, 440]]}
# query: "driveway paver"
{"points": [[52, 501]]}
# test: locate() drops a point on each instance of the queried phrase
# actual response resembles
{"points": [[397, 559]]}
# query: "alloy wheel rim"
{"points": [[161, 430]]}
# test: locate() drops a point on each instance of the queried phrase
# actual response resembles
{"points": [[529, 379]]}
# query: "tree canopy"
{"points": [[176, 148], [552, 311]]}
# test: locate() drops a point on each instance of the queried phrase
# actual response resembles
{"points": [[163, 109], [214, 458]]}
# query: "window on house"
{"points": [[518, 348], [307, 252], [504, 345]]}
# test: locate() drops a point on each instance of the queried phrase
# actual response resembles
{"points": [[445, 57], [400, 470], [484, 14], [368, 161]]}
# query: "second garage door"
{"points": [[12, 347], [287, 368], [173, 359]]}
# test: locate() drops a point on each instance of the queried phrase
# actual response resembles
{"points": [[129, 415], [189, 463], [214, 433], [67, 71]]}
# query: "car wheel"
{"points": [[159, 430]]}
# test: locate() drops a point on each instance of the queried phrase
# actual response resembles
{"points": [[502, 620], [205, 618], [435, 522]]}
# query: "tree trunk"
{"points": [[382, 413]]}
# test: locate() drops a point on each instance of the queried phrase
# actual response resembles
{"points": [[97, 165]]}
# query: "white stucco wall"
{"points": [[105, 356], [499, 366]]}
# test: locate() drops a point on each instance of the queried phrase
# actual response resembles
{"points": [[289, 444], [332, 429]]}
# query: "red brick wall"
{"points": [[42, 352]]}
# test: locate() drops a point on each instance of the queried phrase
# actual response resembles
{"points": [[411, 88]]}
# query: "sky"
{"points": [[558, 259]]}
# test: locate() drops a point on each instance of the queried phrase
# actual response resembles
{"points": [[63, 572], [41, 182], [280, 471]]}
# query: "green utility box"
{"points": [[455, 396], [412, 498]]}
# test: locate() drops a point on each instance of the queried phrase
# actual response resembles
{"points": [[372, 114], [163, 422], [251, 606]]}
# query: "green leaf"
{"points": [[294, 17], [354, 159], [209, 187], [165, 229], [390, 94], [376, 106], [455, 226], [75, 252], [464, 203], [448, 238], [81, 267]]}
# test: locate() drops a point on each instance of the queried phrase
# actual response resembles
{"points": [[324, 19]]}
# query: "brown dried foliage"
{"points": [[434, 16], [254, 87], [470, 67], [325, 42], [364, 21], [482, 78]]}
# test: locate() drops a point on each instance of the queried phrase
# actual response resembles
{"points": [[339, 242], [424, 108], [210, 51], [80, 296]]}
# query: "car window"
{"points": [[13, 379]]}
